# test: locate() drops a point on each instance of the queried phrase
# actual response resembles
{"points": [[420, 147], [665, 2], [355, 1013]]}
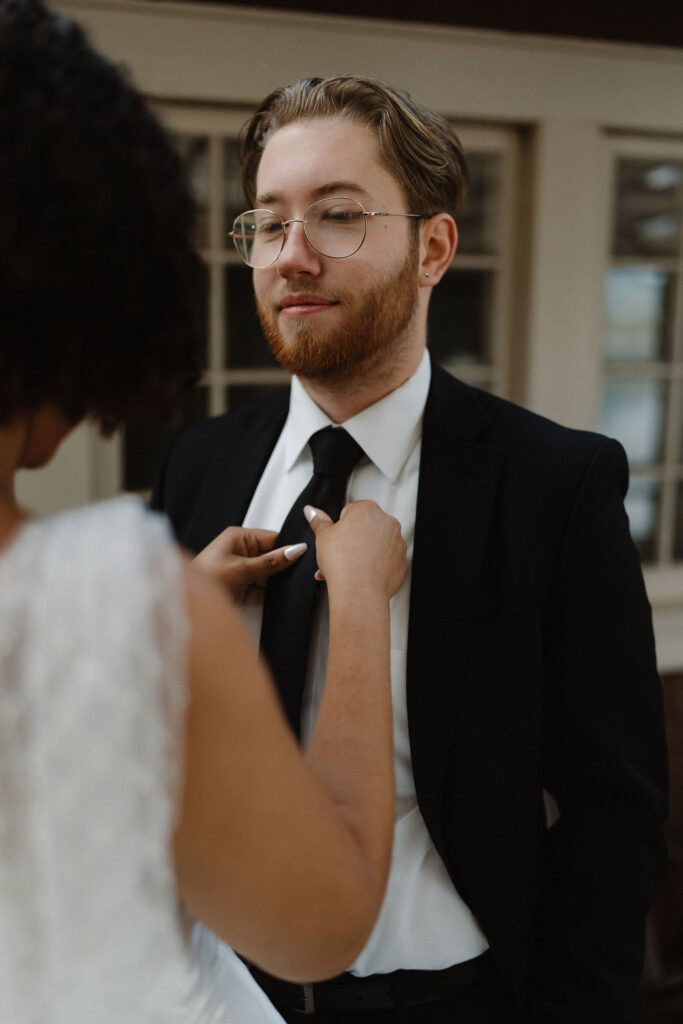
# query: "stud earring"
{"points": [[427, 274]]}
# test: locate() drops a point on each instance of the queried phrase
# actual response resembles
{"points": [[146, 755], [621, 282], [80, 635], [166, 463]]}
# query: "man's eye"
{"points": [[269, 228], [341, 215]]}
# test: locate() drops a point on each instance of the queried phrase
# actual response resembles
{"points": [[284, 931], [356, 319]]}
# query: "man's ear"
{"points": [[437, 248]]}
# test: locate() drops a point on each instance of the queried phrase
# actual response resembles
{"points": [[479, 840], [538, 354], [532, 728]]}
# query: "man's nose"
{"points": [[298, 255]]}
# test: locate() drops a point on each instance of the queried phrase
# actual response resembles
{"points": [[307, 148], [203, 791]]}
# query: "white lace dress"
{"points": [[93, 638]]}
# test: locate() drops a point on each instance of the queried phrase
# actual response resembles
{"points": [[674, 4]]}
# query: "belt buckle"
{"points": [[309, 1001]]}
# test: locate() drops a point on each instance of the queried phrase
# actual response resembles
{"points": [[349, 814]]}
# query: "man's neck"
{"points": [[342, 399]]}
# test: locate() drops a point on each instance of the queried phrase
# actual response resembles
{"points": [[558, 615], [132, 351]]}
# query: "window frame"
{"points": [[662, 573], [504, 142]]}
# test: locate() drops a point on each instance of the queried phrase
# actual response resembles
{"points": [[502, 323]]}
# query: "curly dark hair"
{"points": [[100, 289]]}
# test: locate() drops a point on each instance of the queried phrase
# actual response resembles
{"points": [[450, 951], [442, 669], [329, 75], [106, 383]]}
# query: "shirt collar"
{"points": [[387, 431]]}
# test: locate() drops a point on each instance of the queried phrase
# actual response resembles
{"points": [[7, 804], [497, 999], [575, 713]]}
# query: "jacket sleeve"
{"points": [[605, 764]]}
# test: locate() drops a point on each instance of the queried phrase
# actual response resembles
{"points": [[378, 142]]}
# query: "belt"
{"points": [[348, 992]]}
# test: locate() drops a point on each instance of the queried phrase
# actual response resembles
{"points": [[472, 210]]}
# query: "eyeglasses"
{"points": [[334, 227]]}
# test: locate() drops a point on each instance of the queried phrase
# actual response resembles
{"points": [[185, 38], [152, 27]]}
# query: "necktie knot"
{"points": [[335, 452]]}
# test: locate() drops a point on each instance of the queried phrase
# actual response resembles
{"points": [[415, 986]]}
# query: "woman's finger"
{"points": [[316, 517], [260, 567]]}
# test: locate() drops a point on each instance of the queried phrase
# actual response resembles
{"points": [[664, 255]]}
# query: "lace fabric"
{"points": [[93, 639]]}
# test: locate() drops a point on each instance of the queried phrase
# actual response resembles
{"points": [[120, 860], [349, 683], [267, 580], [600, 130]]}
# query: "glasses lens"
{"points": [[336, 227], [258, 236]]}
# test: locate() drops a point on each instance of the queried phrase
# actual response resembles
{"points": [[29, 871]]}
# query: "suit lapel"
{"points": [[232, 476], [456, 494]]}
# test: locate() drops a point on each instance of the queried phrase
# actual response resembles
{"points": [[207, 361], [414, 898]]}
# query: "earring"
{"points": [[427, 274]]}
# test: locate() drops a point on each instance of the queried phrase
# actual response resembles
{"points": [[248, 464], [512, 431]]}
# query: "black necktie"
{"points": [[290, 596]]}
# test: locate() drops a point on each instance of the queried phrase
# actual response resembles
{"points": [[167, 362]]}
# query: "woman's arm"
{"points": [[286, 856]]}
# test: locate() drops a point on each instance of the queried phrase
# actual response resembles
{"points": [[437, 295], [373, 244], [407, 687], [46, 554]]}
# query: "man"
{"points": [[523, 664]]}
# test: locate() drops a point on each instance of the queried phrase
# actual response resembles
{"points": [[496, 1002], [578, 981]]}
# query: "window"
{"points": [[469, 313], [642, 338], [469, 322]]}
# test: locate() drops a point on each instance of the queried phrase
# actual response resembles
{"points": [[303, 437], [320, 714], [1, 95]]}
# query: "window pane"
{"points": [[460, 317], [479, 218], [678, 535], [233, 200], [637, 314], [145, 442], [642, 507], [245, 342], [633, 412], [648, 208], [242, 394], [194, 150]]}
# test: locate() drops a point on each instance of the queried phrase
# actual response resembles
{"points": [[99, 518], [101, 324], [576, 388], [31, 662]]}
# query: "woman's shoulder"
{"points": [[113, 560], [124, 515], [110, 537]]}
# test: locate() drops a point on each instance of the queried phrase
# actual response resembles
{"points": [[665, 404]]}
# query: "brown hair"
{"points": [[417, 146]]}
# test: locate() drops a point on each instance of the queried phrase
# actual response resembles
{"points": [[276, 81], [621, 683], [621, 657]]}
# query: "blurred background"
{"points": [[565, 295]]}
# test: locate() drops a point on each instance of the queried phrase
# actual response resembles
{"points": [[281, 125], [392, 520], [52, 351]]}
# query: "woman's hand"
{"points": [[243, 559], [365, 548]]}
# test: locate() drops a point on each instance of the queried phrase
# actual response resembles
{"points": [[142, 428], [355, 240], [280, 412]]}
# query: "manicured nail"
{"points": [[294, 550], [310, 512]]}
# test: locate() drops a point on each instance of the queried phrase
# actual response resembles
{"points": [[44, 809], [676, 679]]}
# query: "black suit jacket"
{"points": [[530, 665]]}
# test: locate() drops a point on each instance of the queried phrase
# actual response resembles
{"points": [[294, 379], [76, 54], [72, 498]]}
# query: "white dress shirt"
{"points": [[423, 923]]}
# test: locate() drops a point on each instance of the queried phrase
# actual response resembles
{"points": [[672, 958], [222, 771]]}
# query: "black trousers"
{"points": [[481, 1003]]}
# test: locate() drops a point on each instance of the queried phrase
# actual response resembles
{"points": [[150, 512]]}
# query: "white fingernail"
{"points": [[294, 550], [310, 512]]}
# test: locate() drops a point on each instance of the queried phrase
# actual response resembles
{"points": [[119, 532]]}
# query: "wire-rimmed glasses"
{"points": [[334, 227]]}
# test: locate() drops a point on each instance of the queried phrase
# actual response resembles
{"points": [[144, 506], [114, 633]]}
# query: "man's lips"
{"points": [[303, 304]]}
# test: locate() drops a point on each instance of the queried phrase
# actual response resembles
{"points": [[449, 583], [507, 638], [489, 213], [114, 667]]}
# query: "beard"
{"points": [[371, 333]]}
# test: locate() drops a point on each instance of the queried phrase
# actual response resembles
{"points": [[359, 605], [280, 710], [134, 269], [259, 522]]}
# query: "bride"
{"points": [[147, 776]]}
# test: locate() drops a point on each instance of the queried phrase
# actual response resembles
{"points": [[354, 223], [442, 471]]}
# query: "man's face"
{"points": [[332, 319]]}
